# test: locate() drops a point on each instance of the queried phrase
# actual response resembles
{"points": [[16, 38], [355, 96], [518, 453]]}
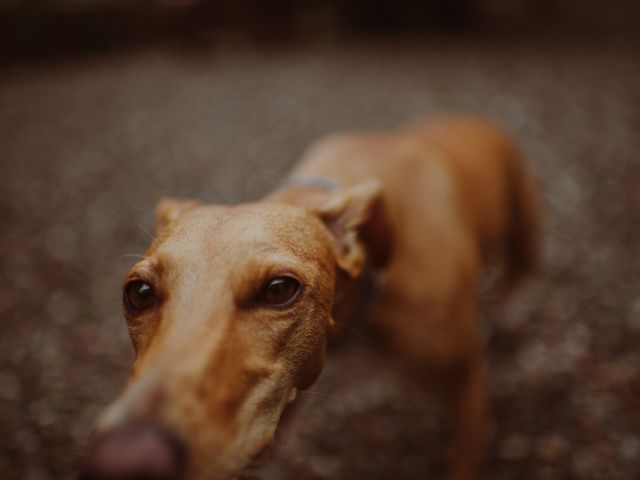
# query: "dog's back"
{"points": [[497, 191]]}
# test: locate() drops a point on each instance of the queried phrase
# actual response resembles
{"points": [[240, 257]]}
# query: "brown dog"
{"points": [[231, 309]]}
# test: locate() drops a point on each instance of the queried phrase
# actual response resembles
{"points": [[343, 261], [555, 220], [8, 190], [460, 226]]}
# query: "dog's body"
{"points": [[426, 207]]}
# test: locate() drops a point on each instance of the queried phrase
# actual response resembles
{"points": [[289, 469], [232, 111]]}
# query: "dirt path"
{"points": [[89, 147]]}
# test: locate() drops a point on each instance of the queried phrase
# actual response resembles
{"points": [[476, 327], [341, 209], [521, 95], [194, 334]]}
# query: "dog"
{"points": [[232, 307]]}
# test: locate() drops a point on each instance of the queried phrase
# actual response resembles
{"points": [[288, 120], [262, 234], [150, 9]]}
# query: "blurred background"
{"points": [[107, 105]]}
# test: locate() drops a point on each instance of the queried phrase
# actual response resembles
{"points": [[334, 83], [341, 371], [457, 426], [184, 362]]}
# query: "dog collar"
{"points": [[321, 183]]}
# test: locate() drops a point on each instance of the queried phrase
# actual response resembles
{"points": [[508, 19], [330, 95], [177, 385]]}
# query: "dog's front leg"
{"points": [[467, 394], [469, 409]]}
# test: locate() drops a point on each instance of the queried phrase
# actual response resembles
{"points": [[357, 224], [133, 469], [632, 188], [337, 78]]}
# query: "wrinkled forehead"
{"points": [[227, 235]]}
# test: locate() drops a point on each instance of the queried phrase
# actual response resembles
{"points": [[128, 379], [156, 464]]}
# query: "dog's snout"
{"points": [[140, 451]]}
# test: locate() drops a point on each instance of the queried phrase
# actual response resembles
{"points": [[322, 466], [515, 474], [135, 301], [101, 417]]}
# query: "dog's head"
{"points": [[229, 313]]}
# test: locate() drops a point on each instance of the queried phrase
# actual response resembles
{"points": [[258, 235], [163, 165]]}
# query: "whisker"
{"points": [[320, 394], [132, 255], [361, 335], [132, 220]]}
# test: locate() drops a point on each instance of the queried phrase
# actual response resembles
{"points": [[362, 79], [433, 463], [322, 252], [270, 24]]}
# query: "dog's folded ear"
{"points": [[169, 209], [358, 219]]}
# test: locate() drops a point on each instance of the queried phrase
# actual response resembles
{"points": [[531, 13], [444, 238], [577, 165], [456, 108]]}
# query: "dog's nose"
{"points": [[140, 451]]}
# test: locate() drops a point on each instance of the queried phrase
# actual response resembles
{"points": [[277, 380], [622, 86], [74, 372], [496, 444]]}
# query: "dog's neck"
{"points": [[353, 302], [354, 297]]}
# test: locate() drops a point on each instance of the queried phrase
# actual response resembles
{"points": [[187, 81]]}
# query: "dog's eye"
{"points": [[139, 296], [280, 292]]}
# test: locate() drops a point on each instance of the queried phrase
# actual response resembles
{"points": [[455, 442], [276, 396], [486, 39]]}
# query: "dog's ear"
{"points": [[169, 209], [357, 218]]}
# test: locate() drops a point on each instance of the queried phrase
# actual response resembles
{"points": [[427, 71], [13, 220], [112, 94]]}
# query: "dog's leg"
{"points": [[468, 395], [446, 352]]}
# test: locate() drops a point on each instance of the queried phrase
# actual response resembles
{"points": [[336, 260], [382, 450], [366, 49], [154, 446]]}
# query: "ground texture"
{"points": [[89, 146]]}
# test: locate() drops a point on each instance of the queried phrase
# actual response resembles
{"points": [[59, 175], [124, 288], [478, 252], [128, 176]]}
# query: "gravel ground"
{"points": [[89, 146]]}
